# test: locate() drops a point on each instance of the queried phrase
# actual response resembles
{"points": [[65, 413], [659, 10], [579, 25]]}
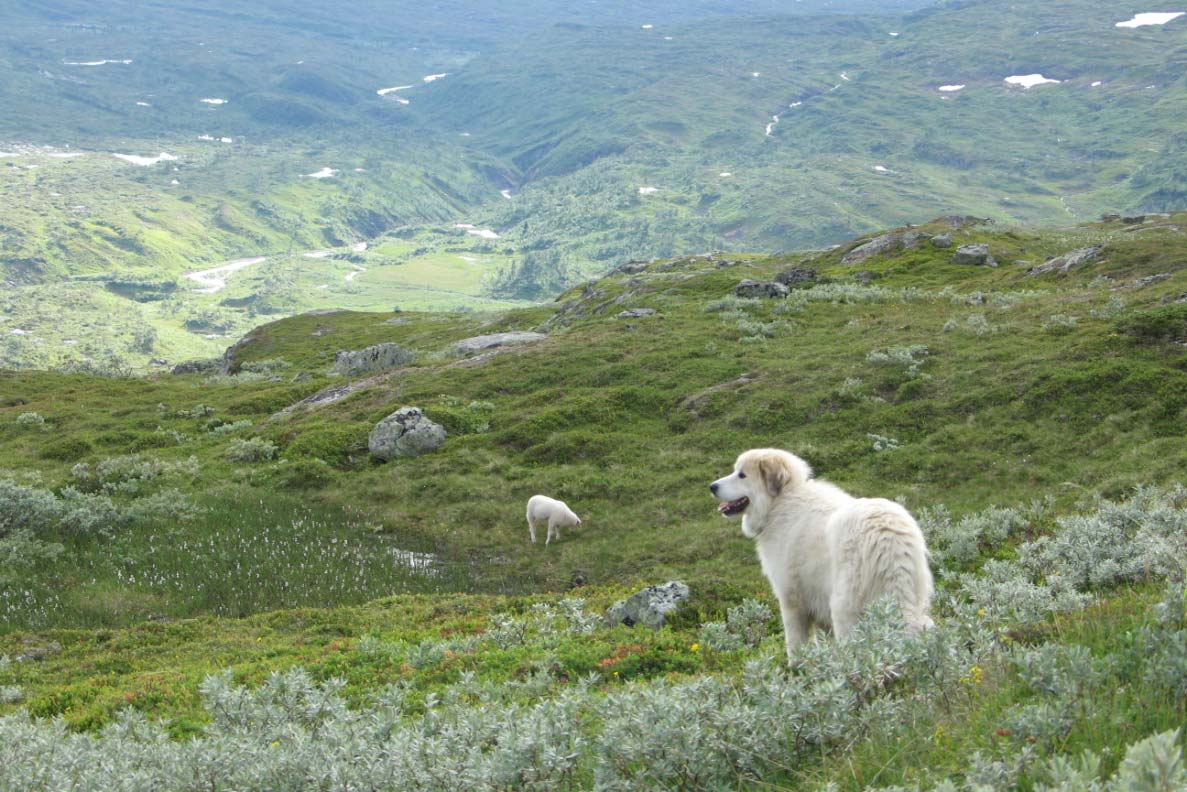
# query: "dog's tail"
{"points": [[894, 557]]}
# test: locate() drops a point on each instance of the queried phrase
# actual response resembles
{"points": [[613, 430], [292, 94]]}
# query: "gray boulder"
{"points": [[754, 289], [632, 267], [650, 606], [1068, 261], [913, 239], [472, 346], [405, 433], [880, 245], [636, 313], [796, 276], [1133, 219], [974, 255], [372, 359], [942, 241]]}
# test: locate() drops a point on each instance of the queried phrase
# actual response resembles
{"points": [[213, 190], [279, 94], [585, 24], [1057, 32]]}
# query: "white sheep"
{"points": [[542, 508]]}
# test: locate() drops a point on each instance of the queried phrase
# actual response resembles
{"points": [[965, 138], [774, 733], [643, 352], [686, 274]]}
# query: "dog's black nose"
{"points": [[713, 487]]}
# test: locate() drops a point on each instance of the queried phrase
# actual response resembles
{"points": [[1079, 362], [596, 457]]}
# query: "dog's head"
{"points": [[760, 475]]}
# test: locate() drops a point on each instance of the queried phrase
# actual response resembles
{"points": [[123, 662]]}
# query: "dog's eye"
{"points": [[741, 474]]}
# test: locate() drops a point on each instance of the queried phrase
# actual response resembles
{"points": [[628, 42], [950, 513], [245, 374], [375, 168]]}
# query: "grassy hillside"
{"points": [[159, 529]]}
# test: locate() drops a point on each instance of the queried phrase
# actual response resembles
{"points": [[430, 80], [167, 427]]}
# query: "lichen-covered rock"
{"points": [[942, 241], [405, 433], [879, 245], [796, 276], [1068, 261], [974, 255], [755, 289], [472, 346], [636, 313], [374, 358], [650, 606]]}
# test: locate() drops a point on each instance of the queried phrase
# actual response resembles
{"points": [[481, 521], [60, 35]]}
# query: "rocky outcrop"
{"points": [[649, 607], [797, 276], [472, 346], [208, 366], [372, 359], [636, 313], [756, 290], [976, 255], [631, 267], [1068, 261], [878, 246], [942, 241], [405, 433]]}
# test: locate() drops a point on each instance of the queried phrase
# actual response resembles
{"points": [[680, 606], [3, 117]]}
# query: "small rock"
{"points": [[974, 255], [887, 243], [1133, 219], [912, 239], [650, 606], [472, 346], [752, 288], [1151, 279], [405, 433], [196, 366], [632, 267], [942, 241], [962, 221], [636, 313], [372, 359], [1067, 261], [723, 263], [796, 276], [1110, 217]]}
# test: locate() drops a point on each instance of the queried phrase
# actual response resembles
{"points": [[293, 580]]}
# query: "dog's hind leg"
{"points": [[532, 529], [552, 531]]}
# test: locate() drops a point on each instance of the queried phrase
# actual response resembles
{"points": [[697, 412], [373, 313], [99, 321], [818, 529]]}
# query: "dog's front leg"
{"points": [[796, 624]]}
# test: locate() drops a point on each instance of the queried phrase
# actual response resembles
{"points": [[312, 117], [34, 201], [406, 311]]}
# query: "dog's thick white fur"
{"points": [[542, 509], [826, 553]]}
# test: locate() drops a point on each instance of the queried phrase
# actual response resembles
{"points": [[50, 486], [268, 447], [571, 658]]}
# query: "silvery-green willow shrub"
{"points": [[1142, 538], [911, 357], [745, 625], [253, 449], [957, 542]]}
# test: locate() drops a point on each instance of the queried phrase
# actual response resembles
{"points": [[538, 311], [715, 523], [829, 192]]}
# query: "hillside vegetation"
{"points": [[695, 126], [174, 547]]}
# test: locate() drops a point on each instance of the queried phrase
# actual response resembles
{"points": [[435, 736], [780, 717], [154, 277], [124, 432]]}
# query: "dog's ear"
{"points": [[780, 470]]}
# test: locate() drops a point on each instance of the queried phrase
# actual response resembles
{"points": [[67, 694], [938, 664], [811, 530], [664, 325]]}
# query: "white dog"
{"points": [[544, 509], [826, 553]]}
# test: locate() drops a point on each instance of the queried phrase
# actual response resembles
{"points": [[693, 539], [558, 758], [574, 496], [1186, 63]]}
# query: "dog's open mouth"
{"points": [[730, 508]]}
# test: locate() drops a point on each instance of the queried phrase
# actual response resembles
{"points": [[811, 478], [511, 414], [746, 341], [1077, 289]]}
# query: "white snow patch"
{"points": [[755, 74], [360, 170], [144, 161], [226, 140], [393, 89], [324, 286], [65, 154], [214, 279], [667, 38], [96, 63], [469, 259], [845, 76], [771, 126], [18, 331], [464, 134], [893, 34], [318, 254], [1030, 80], [434, 77], [359, 247], [882, 169], [143, 104], [1156, 18], [951, 88], [795, 104], [175, 182], [214, 101], [506, 194], [648, 27], [324, 173], [485, 233], [725, 174], [648, 190]]}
